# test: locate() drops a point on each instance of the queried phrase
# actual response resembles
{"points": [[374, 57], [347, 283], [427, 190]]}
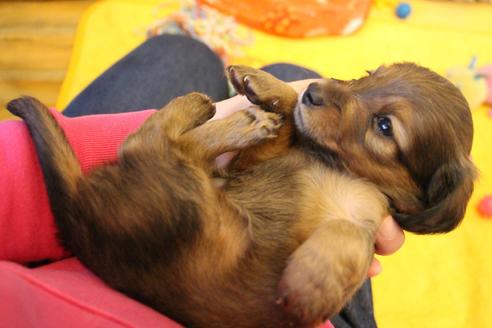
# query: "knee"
{"points": [[178, 44]]}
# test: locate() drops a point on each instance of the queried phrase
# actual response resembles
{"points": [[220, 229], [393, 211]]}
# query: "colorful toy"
{"points": [[475, 85], [403, 10], [485, 207], [296, 18], [221, 33]]}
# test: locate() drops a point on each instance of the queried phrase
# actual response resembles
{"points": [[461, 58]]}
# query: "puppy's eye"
{"points": [[384, 126]]}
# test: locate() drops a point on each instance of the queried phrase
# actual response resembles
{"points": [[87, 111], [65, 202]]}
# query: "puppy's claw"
{"points": [[267, 123], [249, 91], [262, 89], [238, 86]]}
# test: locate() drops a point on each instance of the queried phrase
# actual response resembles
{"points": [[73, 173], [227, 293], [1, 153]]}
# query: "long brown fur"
{"points": [[288, 238]]}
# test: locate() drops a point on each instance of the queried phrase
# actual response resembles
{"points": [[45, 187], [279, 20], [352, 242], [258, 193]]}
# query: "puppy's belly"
{"points": [[298, 194], [284, 200]]}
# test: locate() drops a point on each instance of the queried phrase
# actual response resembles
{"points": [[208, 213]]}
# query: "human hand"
{"points": [[389, 239]]}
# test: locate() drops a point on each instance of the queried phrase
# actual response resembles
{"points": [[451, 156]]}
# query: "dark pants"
{"points": [[168, 66]]}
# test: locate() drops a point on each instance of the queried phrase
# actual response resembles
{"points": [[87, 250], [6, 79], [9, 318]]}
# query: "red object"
{"points": [[64, 293], [485, 207], [296, 18], [27, 231]]}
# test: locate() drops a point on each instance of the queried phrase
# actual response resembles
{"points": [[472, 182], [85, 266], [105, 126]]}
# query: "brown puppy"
{"points": [[289, 237]]}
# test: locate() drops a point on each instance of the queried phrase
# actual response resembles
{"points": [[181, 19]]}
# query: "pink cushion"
{"points": [[66, 294]]}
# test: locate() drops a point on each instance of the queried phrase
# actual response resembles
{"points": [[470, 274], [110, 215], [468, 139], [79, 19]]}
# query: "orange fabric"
{"points": [[296, 18]]}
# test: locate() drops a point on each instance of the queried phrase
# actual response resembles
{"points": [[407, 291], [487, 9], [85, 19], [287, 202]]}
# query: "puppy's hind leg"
{"points": [[171, 122], [184, 124]]}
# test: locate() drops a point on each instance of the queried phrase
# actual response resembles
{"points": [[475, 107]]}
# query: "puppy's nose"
{"points": [[313, 95]]}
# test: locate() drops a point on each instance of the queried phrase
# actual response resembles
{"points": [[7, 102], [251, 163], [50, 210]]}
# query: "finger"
{"points": [[390, 237], [375, 268], [227, 107]]}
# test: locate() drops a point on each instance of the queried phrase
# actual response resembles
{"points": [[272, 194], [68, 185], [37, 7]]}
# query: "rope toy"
{"points": [[221, 33]]}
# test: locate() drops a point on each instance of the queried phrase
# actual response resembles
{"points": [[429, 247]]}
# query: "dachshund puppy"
{"points": [[288, 237]]}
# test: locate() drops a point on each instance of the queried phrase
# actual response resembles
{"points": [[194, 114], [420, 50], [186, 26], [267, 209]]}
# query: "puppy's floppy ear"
{"points": [[447, 195]]}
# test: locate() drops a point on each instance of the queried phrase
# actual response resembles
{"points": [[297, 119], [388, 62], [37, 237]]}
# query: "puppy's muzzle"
{"points": [[313, 96]]}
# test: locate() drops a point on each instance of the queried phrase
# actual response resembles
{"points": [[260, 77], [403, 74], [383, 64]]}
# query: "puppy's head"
{"points": [[406, 129]]}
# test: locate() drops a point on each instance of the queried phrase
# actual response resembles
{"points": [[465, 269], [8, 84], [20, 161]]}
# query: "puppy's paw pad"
{"points": [[266, 124], [253, 125], [259, 87]]}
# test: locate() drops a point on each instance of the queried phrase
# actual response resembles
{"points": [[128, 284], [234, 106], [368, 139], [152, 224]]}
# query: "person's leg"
{"points": [[289, 72], [162, 68], [359, 313]]}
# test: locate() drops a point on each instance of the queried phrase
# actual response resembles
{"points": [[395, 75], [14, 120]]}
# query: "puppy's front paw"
{"points": [[262, 89], [253, 125]]}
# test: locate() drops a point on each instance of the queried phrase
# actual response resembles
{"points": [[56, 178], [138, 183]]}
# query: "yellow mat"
{"points": [[434, 281]]}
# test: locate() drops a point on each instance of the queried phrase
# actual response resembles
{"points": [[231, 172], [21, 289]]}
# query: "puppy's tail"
{"points": [[60, 167]]}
